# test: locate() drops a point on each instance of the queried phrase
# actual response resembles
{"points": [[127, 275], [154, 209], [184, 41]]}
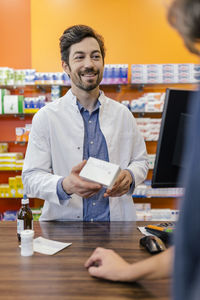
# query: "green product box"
{"points": [[3, 92], [36, 213]]}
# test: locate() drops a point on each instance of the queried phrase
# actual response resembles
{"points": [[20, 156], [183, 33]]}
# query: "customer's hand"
{"points": [[121, 186], [107, 264], [74, 184]]}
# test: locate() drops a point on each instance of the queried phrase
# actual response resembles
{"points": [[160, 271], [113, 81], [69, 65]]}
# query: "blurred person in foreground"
{"points": [[184, 16]]}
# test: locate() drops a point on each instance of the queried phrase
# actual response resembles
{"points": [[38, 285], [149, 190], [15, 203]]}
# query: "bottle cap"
{"points": [[25, 201]]}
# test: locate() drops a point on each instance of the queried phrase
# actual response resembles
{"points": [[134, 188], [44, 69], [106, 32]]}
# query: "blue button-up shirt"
{"points": [[95, 208]]}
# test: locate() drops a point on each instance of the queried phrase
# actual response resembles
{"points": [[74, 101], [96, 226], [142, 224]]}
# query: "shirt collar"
{"points": [[81, 108]]}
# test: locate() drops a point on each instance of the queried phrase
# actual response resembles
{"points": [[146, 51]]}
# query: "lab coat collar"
{"points": [[70, 97]]}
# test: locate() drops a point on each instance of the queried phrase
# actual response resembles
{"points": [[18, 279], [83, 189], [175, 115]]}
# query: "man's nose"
{"points": [[88, 62]]}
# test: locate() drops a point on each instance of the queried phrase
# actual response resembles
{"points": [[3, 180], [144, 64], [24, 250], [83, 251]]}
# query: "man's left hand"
{"points": [[121, 186]]}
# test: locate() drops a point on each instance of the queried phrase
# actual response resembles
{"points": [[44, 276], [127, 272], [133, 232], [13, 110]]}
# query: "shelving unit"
{"points": [[118, 92]]}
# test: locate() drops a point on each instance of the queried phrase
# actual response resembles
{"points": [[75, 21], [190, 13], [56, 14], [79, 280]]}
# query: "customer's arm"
{"points": [[107, 264]]}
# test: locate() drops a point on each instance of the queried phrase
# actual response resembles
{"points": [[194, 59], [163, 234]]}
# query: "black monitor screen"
{"points": [[175, 120]]}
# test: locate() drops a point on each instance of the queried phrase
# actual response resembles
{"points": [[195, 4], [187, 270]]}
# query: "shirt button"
{"points": [[92, 220], [93, 203], [90, 121], [91, 142]]}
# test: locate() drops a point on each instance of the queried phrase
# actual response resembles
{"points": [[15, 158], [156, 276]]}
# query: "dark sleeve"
{"points": [[186, 284]]}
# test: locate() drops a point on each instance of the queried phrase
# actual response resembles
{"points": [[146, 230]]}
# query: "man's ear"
{"points": [[65, 67]]}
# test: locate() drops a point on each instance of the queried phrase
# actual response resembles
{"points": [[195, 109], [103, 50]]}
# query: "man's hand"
{"points": [[121, 186], [74, 184], [107, 264]]}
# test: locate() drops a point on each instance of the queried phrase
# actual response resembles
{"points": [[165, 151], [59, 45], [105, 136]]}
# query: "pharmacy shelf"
{"points": [[15, 142], [16, 115], [148, 192], [9, 197], [142, 86], [11, 171], [154, 196], [38, 85], [147, 114]]}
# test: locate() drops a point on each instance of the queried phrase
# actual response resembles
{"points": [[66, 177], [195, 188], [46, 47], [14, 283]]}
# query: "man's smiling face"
{"points": [[85, 64]]}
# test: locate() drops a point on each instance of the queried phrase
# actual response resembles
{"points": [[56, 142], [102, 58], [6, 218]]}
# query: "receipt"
{"points": [[48, 247]]}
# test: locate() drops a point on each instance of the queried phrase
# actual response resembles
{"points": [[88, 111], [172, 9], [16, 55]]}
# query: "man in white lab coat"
{"points": [[83, 123]]}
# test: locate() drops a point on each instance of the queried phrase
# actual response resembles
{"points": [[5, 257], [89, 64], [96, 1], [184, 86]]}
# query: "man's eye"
{"points": [[96, 56], [79, 57]]}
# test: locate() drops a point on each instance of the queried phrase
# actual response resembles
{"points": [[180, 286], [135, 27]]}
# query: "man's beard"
{"points": [[88, 86]]}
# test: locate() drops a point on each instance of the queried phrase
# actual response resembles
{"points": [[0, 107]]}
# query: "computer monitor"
{"points": [[175, 120]]}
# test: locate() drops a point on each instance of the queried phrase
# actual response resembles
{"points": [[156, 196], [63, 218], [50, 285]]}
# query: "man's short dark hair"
{"points": [[76, 34], [184, 16]]}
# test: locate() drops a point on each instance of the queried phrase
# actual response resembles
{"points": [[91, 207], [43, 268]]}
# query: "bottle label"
{"points": [[20, 226]]}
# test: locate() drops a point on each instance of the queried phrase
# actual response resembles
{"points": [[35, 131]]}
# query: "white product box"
{"points": [[100, 171], [13, 104]]}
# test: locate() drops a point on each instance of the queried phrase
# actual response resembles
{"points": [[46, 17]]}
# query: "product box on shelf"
{"points": [[3, 92], [22, 133], [36, 213], [6, 76], [5, 191], [165, 73], [15, 186], [149, 128], [115, 74], [19, 186], [3, 147], [8, 160], [19, 164], [33, 104], [13, 104], [10, 215], [12, 186]]}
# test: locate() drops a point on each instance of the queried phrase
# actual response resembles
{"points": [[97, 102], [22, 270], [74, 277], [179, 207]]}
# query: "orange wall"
{"points": [[15, 46], [135, 31]]}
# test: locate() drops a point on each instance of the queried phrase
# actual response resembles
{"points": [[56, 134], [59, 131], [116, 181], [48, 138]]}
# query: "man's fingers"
{"points": [[95, 256], [120, 189], [94, 260], [95, 271], [121, 177], [88, 195], [79, 167]]}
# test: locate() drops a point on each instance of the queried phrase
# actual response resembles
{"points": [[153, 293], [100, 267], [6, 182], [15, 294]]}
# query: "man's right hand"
{"points": [[74, 184]]}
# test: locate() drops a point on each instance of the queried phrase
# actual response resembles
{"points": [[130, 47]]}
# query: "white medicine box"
{"points": [[100, 171]]}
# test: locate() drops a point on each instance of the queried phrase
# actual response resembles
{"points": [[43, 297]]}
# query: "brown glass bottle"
{"points": [[24, 217]]}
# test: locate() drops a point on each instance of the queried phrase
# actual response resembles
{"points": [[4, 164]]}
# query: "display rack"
{"points": [[118, 92]]}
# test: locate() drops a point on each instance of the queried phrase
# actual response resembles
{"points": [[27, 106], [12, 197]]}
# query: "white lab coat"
{"points": [[56, 145]]}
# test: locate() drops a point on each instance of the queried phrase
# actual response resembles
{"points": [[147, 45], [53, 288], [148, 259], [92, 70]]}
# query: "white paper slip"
{"points": [[144, 231], [48, 247]]}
